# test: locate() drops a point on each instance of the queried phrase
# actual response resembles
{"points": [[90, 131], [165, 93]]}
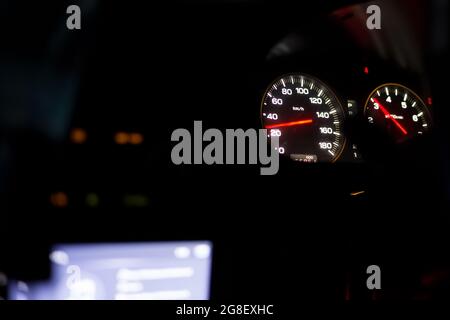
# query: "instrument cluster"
{"points": [[316, 123]]}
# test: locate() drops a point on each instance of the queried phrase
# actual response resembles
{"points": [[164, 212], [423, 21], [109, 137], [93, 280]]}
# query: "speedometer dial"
{"points": [[398, 111], [307, 117]]}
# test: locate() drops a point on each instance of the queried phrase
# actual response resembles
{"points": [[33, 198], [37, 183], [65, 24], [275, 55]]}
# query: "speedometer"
{"points": [[307, 117]]}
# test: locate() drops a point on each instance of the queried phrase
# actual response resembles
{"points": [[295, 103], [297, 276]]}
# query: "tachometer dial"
{"points": [[397, 110], [307, 117]]}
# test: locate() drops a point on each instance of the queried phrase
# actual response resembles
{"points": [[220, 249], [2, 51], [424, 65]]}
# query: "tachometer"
{"points": [[307, 117], [397, 110]]}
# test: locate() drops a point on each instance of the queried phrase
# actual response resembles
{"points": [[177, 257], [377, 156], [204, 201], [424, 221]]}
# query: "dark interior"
{"points": [[151, 68]]}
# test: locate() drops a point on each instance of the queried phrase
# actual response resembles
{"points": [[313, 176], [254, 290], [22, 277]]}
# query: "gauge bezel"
{"points": [[427, 110], [331, 91]]}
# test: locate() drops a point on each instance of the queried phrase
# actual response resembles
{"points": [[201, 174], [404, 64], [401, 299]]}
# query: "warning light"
{"points": [[135, 200], [78, 136], [121, 138], [366, 70], [92, 200], [136, 138], [129, 138], [59, 199]]}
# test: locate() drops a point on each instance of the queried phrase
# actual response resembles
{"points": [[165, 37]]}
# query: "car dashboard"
{"points": [[359, 114]]}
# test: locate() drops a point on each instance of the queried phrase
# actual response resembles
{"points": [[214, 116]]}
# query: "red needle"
{"points": [[388, 115], [289, 124]]}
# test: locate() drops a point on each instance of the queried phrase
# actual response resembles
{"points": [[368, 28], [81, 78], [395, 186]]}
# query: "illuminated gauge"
{"points": [[398, 111], [307, 117]]}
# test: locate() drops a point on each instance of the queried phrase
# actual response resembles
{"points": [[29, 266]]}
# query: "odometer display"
{"points": [[306, 116]]}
